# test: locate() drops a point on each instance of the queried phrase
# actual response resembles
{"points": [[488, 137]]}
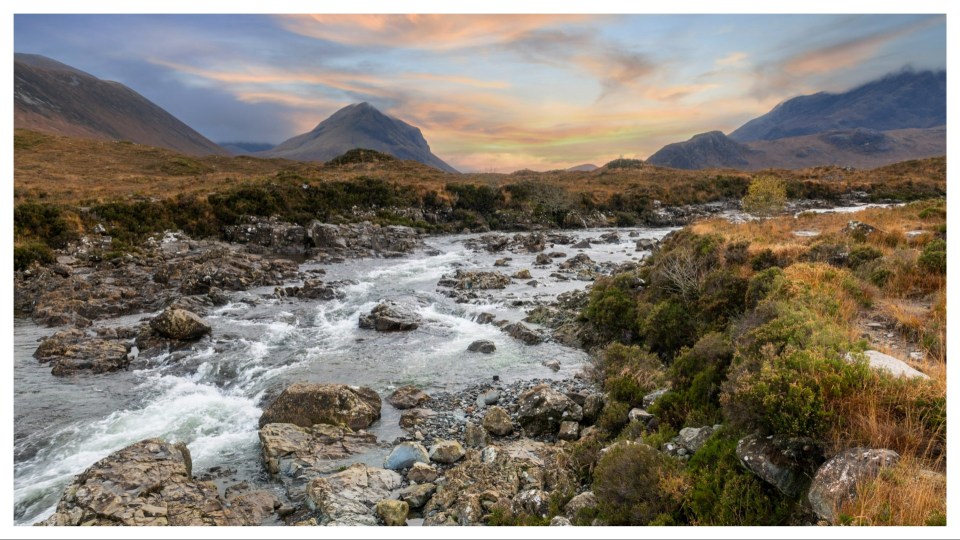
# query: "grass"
{"points": [[906, 494]]}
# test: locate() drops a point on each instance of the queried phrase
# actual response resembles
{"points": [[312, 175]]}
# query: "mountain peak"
{"points": [[360, 125]]}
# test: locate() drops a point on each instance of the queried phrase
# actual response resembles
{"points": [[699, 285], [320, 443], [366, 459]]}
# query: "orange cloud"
{"points": [[421, 31], [732, 59]]}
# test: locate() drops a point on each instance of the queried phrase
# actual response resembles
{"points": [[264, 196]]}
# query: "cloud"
{"points": [[421, 31], [732, 59]]}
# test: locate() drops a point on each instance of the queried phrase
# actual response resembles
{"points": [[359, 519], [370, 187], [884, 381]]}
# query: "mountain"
{"points": [[861, 148], [895, 118], [706, 150], [586, 167], [359, 126], [54, 98], [245, 148], [899, 101]]}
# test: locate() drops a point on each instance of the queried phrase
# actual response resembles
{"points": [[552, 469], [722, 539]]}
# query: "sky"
{"points": [[491, 93]]}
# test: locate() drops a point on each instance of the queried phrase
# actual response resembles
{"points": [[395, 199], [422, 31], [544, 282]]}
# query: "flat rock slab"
{"points": [[892, 365]]}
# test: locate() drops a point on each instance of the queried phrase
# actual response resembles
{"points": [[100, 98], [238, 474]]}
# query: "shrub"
{"points": [[764, 259], [629, 373], [724, 493], [669, 326], [934, 257], [862, 254], [737, 252], [762, 284], [765, 196], [27, 254], [613, 417], [695, 376], [44, 223], [613, 307], [629, 485], [723, 296]]}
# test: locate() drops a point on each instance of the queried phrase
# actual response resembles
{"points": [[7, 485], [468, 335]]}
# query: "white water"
{"points": [[210, 396]]}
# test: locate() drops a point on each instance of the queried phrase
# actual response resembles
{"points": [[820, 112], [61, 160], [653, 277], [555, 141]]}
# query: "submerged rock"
{"points": [[390, 317], [306, 404], [482, 346], [73, 351], [180, 324]]}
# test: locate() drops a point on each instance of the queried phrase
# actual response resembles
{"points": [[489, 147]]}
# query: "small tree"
{"points": [[766, 196]]}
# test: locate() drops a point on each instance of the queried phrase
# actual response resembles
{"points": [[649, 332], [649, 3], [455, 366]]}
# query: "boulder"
{"points": [[408, 397], [543, 259], [422, 473], [417, 495], [405, 454], [787, 464], [306, 404], [467, 280], [583, 244], [179, 324], [652, 397], [488, 397], [646, 244], [483, 346], [475, 436], [592, 407], [586, 500], [288, 449], [522, 274], [446, 452], [347, 497], [541, 409], [569, 431], [497, 421], [837, 480], [390, 317], [393, 512], [523, 333], [892, 365], [560, 521], [534, 502], [486, 318], [73, 351], [552, 365], [693, 439], [146, 483]]}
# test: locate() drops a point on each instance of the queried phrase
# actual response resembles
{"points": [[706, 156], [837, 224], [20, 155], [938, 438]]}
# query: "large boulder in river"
{"points": [[837, 480], [289, 450], [541, 409], [390, 317], [476, 280], [408, 397], [524, 333], [147, 483], [73, 351], [787, 463], [306, 404], [179, 324], [349, 497]]}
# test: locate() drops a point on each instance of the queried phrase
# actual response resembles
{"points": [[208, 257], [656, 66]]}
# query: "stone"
{"points": [[422, 473], [646, 244], [488, 397], [541, 409], [467, 280], [560, 521], [534, 502], [251, 507], [583, 244], [393, 512], [891, 364], [390, 316], [417, 495], [412, 418], [652, 397], [405, 454], [586, 500], [837, 480], [569, 431], [592, 407], [306, 404], [347, 497], [486, 318], [640, 415], [693, 439], [497, 421], [502, 262], [72, 351], [523, 333], [288, 449], [483, 346], [408, 397], [543, 259], [522, 274], [446, 451], [553, 365], [787, 464], [475, 436], [180, 324], [146, 483]]}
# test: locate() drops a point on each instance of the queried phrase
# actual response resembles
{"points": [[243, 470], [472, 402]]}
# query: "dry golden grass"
{"points": [[906, 494], [842, 295]]}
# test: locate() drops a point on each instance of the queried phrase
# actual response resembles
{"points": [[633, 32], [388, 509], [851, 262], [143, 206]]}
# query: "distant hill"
{"points": [[245, 148], [904, 100], [898, 117], [54, 98], [586, 167], [359, 126]]}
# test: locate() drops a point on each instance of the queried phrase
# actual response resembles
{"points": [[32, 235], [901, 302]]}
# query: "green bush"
{"points": [[934, 257], [27, 254], [695, 377], [762, 284], [723, 296], [764, 259], [613, 418], [42, 223], [668, 327], [724, 493], [862, 254], [613, 307], [628, 485], [630, 372]]}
